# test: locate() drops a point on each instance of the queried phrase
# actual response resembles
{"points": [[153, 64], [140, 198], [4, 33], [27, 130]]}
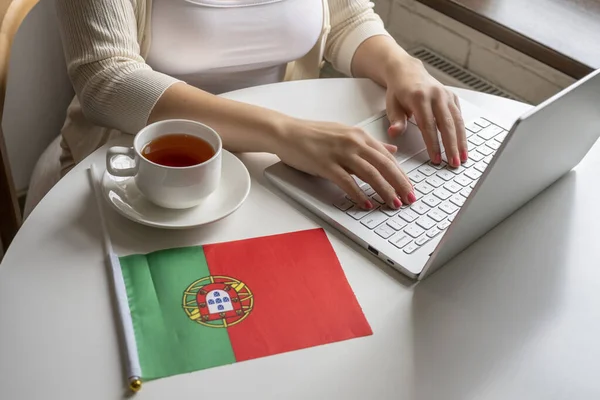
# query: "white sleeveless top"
{"points": [[224, 45]]}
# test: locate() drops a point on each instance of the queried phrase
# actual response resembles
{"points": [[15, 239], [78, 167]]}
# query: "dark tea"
{"points": [[178, 150]]}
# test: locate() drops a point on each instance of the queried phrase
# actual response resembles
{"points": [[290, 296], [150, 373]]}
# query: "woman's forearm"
{"points": [[242, 127], [378, 57]]}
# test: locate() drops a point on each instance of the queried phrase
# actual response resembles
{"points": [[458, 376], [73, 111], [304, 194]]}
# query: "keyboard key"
{"points": [[385, 231], [358, 213], [373, 220], [485, 150], [434, 232], [472, 185], [494, 144], [476, 156], [444, 225], [396, 223], [448, 208], [473, 127], [400, 240], [466, 192], [457, 200], [490, 132], [369, 191], [344, 204], [442, 193], [481, 166], [434, 181], [426, 223], [414, 230], [409, 215], [445, 175], [501, 136], [462, 180], [451, 218], [411, 248], [390, 212], [426, 170], [439, 166], [488, 159], [378, 199], [416, 177], [476, 140], [456, 171], [482, 122], [431, 200], [452, 187], [437, 215], [419, 207], [473, 174], [422, 240], [468, 164], [424, 188]]}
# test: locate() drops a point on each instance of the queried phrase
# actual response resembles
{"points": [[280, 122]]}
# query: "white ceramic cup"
{"points": [[170, 187]]}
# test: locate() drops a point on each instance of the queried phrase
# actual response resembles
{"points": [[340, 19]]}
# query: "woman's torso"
{"points": [[224, 45]]}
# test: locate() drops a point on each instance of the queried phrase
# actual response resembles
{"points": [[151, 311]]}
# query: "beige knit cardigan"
{"points": [[105, 45]]}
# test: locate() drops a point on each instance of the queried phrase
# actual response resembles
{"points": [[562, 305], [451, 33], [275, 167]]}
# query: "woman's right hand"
{"points": [[335, 151]]}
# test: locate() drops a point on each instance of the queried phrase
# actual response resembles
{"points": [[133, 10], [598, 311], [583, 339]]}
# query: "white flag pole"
{"points": [[134, 371]]}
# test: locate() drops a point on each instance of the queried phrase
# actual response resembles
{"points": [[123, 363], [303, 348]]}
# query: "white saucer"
{"points": [[124, 196]]}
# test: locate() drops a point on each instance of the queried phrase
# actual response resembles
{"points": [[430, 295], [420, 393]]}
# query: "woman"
{"points": [[134, 62]]}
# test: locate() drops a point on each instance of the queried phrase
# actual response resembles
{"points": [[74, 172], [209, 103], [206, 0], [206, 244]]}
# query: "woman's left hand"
{"points": [[412, 91]]}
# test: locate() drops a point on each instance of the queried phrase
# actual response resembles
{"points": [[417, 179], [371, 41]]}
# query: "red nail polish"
{"points": [[411, 197], [437, 158], [455, 161], [368, 205], [464, 156], [397, 203]]}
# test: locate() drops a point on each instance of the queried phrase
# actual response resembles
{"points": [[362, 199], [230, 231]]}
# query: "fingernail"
{"points": [[397, 203], [437, 158], [368, 205], [411, 197], [455, 161], [464, 156]]}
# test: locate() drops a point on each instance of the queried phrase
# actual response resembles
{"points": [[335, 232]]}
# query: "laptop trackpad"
{"points": [[409, 144]]}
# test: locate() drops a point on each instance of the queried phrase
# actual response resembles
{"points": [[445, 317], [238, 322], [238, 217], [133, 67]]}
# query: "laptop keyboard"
{"points": [[440, 191]]}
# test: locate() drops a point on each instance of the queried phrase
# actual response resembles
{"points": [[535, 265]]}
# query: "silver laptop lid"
{"points": [[542, 146]]}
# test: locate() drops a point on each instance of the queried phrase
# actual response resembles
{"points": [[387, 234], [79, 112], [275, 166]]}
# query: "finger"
{"points": [[445, 123], [370, 174], [392, 173], [461, 134], [396, 115], [390, 148], [344, 181], [456, 101], [382, 147], [426, 123]]}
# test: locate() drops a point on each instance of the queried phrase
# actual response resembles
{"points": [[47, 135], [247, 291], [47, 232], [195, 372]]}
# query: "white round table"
{"points": [[515, 316]]}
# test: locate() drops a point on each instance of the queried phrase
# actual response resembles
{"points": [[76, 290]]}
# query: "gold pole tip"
{"points": [[135, 384]]}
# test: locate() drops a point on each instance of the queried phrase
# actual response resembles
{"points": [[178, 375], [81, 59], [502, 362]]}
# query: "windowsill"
{"points": [[559, 33]]}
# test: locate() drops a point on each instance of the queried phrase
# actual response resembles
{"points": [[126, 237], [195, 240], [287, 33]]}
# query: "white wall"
{"points": [[412, 23], [38, 92]]}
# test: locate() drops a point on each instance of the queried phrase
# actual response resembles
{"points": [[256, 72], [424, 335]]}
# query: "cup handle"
{"points": [[120, 151]]}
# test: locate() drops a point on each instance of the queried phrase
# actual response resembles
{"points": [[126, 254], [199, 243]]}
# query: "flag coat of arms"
{"points": [[205, 306]]}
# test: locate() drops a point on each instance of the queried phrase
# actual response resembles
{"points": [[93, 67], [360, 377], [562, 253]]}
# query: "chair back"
{"points": [[34, 95]]}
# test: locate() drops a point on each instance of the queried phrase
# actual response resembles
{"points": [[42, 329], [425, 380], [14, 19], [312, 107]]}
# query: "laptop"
{"points": [[456, 206]]}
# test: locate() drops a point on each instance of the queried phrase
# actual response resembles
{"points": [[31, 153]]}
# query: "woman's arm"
{"points": [[114, 85], [411, 91], [117, 89], [361, 47]]}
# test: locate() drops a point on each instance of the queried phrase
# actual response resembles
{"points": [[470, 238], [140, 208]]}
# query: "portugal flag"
{"points": [[201, 307]]}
